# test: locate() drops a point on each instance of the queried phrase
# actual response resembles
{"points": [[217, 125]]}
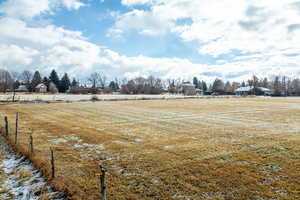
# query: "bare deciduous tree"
{"points": [[98, 80], [26, 77], [6, 81], [52, 88]]}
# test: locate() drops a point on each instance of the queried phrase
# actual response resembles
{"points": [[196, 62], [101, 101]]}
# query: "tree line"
{"points": [[12, 80], [9, 81]]}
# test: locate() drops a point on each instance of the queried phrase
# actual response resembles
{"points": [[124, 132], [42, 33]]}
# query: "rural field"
{"points": [[237, 148]]}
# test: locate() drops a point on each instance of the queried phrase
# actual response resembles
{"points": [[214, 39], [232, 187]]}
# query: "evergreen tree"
{"points": [[17, 84], [277, 86], [228, 88], [218, 86], [74, 83], [54, 78], [46, 82], [117, 85], [195, 82], [64, 84], [36, 80], [265, 83], [112, 85], [204, 86]]}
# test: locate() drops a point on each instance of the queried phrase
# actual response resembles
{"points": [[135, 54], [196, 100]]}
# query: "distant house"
{"points": [[199, 91], [249, 90], [42, 88], [188, 89], [22, 88]]}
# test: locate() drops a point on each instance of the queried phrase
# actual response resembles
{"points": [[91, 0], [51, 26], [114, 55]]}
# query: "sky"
{"points": [[228, 39]]}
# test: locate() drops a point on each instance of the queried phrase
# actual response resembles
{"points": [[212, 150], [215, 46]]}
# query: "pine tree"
{"points": [[36, 80], [74, 83], [195, 82], [277, 86], [218, 86], [228, 87], [204, 86], [54, 78], [64, 84], [112, 85], [46, 82]]}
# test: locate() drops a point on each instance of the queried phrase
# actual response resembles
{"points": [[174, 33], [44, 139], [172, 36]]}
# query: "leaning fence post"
{"points": [[103, 183], [52, 164], [17, 127], [6, 126], [31, 150]]}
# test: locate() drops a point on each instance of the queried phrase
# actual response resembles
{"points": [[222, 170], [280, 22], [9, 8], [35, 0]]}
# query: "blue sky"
{"points": [[175, 38], [95, 19]]}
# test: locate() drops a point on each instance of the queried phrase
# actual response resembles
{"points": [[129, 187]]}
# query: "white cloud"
{"points": [[144, 22], [221, 26], [266, 34], [72, 4], [267, 29], [32, 8], [24, 8], [135, 2]]}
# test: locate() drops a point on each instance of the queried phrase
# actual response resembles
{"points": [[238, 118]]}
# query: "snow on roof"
{"points": [[249, 88], [264, 89], [244, 89], [41, 85], [22, 87], [187, 84]]}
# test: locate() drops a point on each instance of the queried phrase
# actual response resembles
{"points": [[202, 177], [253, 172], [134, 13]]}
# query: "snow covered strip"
{"points": [[20, 180]]}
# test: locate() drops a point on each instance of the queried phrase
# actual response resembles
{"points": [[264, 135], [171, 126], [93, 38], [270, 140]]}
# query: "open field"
{"points": [[168, 149]]}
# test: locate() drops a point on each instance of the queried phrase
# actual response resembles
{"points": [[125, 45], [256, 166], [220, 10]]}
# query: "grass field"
{"points": [[168, 149]]}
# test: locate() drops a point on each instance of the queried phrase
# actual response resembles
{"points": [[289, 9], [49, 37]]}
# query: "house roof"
{"points": [[249, 88], [22, 87], [244, 89], [264, 89], [187, 84], [41, 85]]}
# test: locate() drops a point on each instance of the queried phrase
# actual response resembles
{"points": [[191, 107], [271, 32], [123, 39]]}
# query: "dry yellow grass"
{"points": [[168, 149]]}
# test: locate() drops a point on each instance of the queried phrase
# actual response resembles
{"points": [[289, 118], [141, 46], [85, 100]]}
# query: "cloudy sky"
{"points": [[229, 39]]}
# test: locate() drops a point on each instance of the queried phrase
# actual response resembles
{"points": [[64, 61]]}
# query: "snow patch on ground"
{"points": [[23, 181], [169, 147], [138, 140], [37, 98], [58, 141]]}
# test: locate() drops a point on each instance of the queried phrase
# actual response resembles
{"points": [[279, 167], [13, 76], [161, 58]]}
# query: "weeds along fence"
{"points": [[11, 136]]}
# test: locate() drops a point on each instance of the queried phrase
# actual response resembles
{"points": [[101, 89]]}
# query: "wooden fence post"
{"points": [[103, 186], [6, 126], [52, 164], [17, 127], [31, 150]]}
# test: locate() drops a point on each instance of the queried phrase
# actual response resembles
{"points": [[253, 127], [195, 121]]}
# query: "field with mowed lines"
{"points": [[167, 149]]}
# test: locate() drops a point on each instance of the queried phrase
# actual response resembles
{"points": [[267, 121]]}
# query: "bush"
{"points": [[94, 98]]}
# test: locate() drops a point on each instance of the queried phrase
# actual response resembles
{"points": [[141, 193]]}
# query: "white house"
{"points": [[248, 90], [188, 89], [22, 88], [42, 88]]}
